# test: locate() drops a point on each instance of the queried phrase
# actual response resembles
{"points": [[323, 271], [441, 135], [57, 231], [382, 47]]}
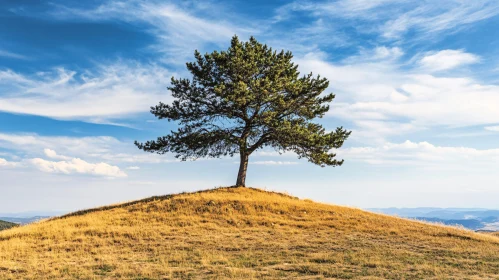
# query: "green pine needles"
{"points": [[242, 100]]}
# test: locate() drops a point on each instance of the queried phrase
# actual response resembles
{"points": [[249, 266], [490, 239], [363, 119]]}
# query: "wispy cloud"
{"points": [[430, 18], [4, 53], [492, 128], [423, 154], [272, 162], [447, 59], [381, 54], [392, 97], [178, 30], [133, 168], [101, 148], [110, 91], [392, 19]]}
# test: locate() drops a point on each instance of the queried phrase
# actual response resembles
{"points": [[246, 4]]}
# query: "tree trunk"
{"points": [[243, 166]]}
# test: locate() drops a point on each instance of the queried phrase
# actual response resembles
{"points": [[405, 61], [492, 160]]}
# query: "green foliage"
{"points": [[6, 225], [243, 99]]}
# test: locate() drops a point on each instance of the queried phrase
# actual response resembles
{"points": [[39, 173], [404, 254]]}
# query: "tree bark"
{"points": [[243, 166]]}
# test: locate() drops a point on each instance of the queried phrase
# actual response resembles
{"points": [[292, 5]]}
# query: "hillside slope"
{"points": [[241, 233], [6, 225]]}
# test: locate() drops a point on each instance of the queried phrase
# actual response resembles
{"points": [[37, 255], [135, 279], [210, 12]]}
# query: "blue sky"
{"points": [[416, 81]]}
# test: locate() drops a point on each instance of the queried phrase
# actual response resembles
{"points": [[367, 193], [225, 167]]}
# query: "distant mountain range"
{"points": [[23, 221], [471, 218], [23, 218]]}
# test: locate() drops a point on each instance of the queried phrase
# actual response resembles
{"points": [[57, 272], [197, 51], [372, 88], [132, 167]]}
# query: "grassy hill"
{"points": [[6, 225], [242, 233]]}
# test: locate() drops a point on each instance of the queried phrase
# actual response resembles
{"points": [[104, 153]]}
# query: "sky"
{"points": [[415, 81]]}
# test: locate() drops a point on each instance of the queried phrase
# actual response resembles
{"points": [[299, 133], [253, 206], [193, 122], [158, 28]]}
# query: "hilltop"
{"points": [[6, 225], [241, 233]]}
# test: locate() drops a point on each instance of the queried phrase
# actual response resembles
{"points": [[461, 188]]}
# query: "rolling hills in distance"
{"points": [[471, 218]]}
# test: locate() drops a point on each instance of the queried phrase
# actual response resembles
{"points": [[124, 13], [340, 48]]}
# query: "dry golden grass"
{"points": [[496, 233], [242, 233]]}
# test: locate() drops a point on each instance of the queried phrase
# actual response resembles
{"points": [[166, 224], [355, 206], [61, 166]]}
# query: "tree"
{"points": [[244, 99]]}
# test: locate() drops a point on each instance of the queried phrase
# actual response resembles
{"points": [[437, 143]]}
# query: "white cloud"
{"points": [[52, 154], [5, 163], [320, 34], [380, 53], [101, 148], [392, 19], [273, 153], [387, 53], [271, 162], [111, 91], [8, 76], [8, 54], [385, 98], [447, 59], [78, 166], [430, 18], [492, 128], [133, 168], [349, 9], [33, 143], [66, 165], [377, 131], [179, 30], [423, 154]]}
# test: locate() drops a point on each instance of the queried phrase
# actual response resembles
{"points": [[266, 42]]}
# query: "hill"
{"points": [[6, 225], [241, 233]]}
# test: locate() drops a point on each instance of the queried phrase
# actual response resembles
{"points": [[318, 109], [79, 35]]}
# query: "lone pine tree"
{"points": [[244, 99]]}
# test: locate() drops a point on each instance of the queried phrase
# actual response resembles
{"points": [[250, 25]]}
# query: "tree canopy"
{"points": [[243, 99]]}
